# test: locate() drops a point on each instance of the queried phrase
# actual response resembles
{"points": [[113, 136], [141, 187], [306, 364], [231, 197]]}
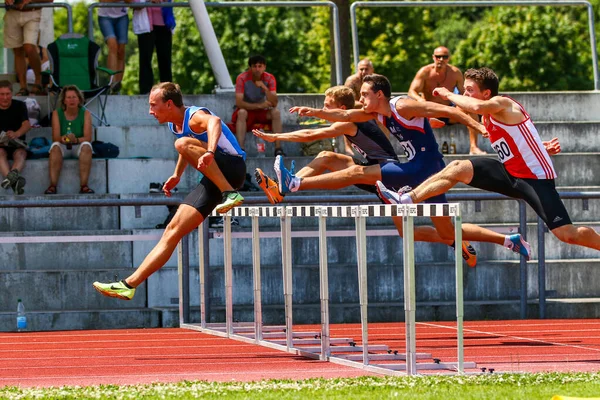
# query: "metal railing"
{"points": [[334, 15], [338, 199], [56, 5], [502, 3]]}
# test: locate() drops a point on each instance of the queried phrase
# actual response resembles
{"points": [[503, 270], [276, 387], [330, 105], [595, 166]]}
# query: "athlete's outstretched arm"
{"points": [[409, 108], [470, 104], [353, 115], [309, 135]]}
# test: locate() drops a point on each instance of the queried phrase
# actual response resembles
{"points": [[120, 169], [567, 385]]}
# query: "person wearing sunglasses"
{"points": [[441, 74]]}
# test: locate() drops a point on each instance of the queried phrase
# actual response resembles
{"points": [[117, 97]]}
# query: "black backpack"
{"points": [[104, 149]]}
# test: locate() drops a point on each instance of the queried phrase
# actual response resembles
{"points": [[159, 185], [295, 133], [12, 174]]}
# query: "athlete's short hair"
{"points": [[342, 95], [485, 78], [6, 84], [256, 59], [169, 91], [379, 82]]}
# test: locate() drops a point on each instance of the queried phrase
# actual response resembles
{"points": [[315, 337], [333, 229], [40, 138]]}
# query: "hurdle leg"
{"points": [[324, 287], [201, 273], [458, 260], [408, 244], [183, 271], [286, 264], [361, 257], [228, 274], [256, 278]]}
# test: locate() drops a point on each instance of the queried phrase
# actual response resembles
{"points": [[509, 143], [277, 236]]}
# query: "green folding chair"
{"points": [[74, 61]]}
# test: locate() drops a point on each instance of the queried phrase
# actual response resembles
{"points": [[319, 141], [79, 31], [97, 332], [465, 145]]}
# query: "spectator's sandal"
{"points": [[37, 90], [85, 189], [22, 92], [51, 190]]}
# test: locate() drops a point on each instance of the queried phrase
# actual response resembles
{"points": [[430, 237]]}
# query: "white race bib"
{"points": [[501, 147]]}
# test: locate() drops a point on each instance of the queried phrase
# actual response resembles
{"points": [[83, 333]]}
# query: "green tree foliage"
{"points": [[531, 48]]}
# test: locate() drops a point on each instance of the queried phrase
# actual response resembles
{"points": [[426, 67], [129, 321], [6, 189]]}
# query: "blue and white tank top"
{"points": [[415, 135], [227, 142]]}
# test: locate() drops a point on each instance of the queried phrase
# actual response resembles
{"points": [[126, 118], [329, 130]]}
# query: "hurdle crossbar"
{"points": [[319, 345]]}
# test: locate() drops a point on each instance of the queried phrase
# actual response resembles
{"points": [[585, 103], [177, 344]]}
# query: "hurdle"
{"points": [[337, 350]]}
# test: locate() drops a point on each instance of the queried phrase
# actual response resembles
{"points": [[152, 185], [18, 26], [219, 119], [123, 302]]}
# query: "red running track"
{"points": [[169, 355]]}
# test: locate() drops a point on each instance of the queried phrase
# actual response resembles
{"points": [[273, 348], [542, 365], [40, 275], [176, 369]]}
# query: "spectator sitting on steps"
{"points": [[256, 101], [14, 124], [71, 135]]}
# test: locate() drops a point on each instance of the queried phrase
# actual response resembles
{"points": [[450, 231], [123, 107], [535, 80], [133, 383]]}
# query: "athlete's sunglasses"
{"points": [[441, 57]]}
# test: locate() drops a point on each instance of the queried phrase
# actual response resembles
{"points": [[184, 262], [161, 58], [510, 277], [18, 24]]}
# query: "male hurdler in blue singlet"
{"points": [[204, 142]]}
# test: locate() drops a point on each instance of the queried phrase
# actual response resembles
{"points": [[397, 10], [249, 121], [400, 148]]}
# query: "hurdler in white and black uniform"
{"points": [[229, 157]]}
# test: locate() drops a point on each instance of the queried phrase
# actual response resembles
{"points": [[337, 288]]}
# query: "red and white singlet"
{"points": [[520, 148]]}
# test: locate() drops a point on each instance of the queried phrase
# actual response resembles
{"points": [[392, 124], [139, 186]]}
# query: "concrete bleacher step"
{"points": [[108, 318], [63, 289], [155, 141], [542, 106], [123, 175]]}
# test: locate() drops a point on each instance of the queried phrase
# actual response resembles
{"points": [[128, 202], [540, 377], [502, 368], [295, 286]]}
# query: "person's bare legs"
{"points": [[4, 165], [85, 165], [580, 235], [443, 181], [240, 127], [192, 149], [55, 162], [186, 219], [120, 61], [33, 56], [19, 156], [326, 161], [354, 175], [443, 232], [473, 148], [111, 59], [275, 116], [20, 66]]}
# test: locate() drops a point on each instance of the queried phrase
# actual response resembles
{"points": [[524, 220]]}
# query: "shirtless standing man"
{"points": [[441, 74], [354, 82]]}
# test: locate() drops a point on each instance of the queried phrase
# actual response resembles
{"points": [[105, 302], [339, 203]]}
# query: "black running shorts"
{"points": [[207, 195], [489, 174]]}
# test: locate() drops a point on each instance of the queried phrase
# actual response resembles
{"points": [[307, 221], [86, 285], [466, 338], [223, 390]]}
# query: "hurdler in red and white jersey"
{"points": [[520, 148]]}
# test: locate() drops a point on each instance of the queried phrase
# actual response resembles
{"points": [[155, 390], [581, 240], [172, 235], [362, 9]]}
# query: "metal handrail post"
{"points": [[476, 3], [56, 5]]}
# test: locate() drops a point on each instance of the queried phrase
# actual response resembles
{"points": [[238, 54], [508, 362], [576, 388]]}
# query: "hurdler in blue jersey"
{"points": [[204, 142], [407, 120]]}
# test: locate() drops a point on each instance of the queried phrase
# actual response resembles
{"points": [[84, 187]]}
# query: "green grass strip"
{"points": [[436, 387]]}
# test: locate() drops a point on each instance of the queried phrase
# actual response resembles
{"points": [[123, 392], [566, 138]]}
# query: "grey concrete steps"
{"points": [[542, 106], [61, 290], [107, 318], [121, 175], [155, 141]]}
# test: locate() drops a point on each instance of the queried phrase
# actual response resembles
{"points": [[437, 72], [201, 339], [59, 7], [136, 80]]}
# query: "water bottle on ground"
{"points": [[21, 317]]}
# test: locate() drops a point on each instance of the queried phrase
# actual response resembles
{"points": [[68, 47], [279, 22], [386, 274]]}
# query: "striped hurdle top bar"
{"points": [[387, 210]]}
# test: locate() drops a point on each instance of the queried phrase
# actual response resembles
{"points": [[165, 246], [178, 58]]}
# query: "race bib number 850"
{"points": [[501, 147]]}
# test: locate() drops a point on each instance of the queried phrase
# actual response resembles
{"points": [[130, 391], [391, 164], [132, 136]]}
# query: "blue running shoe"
{"points": [[284, 176], [520, 246]]}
